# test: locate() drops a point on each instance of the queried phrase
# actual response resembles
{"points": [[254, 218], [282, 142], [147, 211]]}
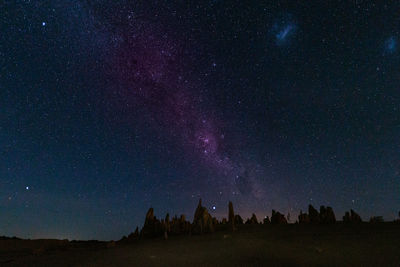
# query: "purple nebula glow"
{"points": [[146, 64]]}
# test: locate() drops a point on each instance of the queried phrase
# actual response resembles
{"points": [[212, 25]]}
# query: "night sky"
{"points": [[108, 108]]}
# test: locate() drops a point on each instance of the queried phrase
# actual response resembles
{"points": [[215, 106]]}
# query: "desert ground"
{"points": [[251, 245]]}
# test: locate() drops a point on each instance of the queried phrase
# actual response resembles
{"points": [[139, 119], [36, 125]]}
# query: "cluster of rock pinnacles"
{"points": [[203, 222]]}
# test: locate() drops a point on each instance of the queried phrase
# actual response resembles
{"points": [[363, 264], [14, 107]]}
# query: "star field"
{"points": [[108, 108]]}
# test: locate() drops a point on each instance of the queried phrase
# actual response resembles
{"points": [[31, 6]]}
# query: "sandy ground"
{"points": [[290, 245]]}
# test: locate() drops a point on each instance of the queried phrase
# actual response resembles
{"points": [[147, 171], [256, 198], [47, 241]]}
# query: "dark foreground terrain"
{"points": [[251, 245]]}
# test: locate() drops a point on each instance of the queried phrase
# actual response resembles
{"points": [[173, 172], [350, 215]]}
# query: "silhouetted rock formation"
{"points": [[202, 222], [215, 221], [231, 217], [322, 214], [134, 235], [278, 218], [313, 214], [376, 219], [167, 224], [131, 237], [326, 215], [180, 225], [238, 220], [152, 227], [351, 217], [174, 225], [304, 218], [346, 217], [185, 225], [252, 220], [355, 217]]}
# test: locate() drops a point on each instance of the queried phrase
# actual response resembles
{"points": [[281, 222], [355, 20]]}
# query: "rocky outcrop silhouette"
{"points": [[346, 217], [351, 217], [134, 235], [152, 226], [167, 224], [180, 225], [238, 220], [313, 214], [131, 237], [376, 219], [252, 220], [202, 221], [326, 215], [175, 226], [278, 218], [215, 221], [231, 217], [304, 218]]}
